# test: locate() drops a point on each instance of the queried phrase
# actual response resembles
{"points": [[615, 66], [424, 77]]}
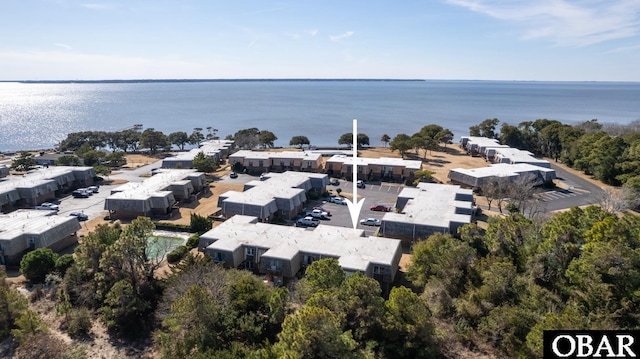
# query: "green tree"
{"points": [[313, 332], [444, 257], [12, 305], [124, 310], [179, 138], [247, 138], [204, 163], [92, 157], [196, 136], [408, 331], [385, 139], [347, 139], [323, 274], [401, 143], [486, 128], [299, 141], [24, 162], [195, 323], [200, 224], [153, 140], [36, 264], [29, 323], [68, 160], [445, 136], [116, 159], [267, 138], [423, 176]]}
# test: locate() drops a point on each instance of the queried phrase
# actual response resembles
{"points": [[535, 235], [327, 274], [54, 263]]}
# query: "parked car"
{"points": [[334, 182], [80, 193], [48, 206], [81, 216], [370, 222], [93, 189], [316, 213], [233, 175], [323, 210], [360, 184], [307, 221], [380, 207], [338, 200]]}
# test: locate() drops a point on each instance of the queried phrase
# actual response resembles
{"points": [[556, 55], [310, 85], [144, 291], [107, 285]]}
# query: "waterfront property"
{"points": [[479, 177], [215, 149], [284, 251], [155, 196], [282, 194], [41, 185], [25, 230], [515, 156], [264, 161], [427, 209], [384, 168]]}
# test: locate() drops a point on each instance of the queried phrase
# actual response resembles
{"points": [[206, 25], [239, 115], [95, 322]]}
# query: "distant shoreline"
{"points": [[204, 80]]}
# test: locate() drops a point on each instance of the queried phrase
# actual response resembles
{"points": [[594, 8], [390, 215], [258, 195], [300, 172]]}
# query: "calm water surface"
{"points": [[34, 116]]}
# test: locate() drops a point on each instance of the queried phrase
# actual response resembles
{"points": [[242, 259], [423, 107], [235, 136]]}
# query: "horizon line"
{"points": [[290, 80]]}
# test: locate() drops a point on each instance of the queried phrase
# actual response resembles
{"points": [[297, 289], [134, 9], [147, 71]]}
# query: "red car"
{"points": [[380, 207]]}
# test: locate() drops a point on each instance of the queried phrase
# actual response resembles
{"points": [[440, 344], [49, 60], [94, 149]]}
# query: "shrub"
{"points": [[63, 263], [193, 241], [36, 264], [80, 323], [200, 224], [177, 254]]}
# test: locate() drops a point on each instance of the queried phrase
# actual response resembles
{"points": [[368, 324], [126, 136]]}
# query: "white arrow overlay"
{"points": [[354, 205]]}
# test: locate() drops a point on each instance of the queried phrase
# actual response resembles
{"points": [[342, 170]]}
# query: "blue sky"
{"points": [[572, 40]]}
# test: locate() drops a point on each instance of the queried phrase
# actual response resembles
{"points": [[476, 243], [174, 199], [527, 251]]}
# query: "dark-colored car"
{"points": [[233, 175], [334, 182], [81, 216], [380, 207]]}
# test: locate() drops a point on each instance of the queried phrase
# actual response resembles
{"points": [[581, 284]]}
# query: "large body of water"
{"points": [[39, 115]]}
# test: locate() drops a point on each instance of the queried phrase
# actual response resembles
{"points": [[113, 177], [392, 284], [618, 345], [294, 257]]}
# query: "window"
{"points": [[378, 270], [219, 257], [275, 265], [250, 251], [309, 164]]}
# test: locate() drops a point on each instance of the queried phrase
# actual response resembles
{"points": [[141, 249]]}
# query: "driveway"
{"points": [[573, 191]]}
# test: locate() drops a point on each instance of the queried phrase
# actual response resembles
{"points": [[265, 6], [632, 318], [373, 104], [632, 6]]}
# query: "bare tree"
{"points": [[617, 200], [522, 189]]}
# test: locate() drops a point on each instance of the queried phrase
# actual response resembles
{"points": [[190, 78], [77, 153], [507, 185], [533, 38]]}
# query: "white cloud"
{"points": [[565, 22], [624, 49], [342, 36], [98, 6], [64, 46], [313, 32]]}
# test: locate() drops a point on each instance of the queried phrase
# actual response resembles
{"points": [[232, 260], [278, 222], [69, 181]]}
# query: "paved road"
{"points": [[576, 191]]}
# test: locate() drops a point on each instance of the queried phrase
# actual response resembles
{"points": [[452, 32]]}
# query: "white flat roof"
{"points": [[501, 170], [382, 161], [350, 247], [432, 204], [152, 186], [209, 148], [36, 222]]}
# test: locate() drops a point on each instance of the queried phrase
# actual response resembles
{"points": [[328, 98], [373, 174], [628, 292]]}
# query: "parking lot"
{"points": [[385, 194]]}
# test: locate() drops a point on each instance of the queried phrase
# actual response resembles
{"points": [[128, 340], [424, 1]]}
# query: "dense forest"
{"points": [[490, 291]]}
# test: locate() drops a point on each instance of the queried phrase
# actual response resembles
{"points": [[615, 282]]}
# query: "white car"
{"points": [[338, 200], [48, 206], [307, 221], [318, 213], [370, 222]]}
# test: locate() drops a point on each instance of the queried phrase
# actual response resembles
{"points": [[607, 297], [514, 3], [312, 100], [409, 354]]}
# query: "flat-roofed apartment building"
{"points": [[284, 251], [215, 149], [25, 230], [281, 194], [427, 209], [41, 185], [155, 196], [396, 169], [479, 177], [268, 161]]}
